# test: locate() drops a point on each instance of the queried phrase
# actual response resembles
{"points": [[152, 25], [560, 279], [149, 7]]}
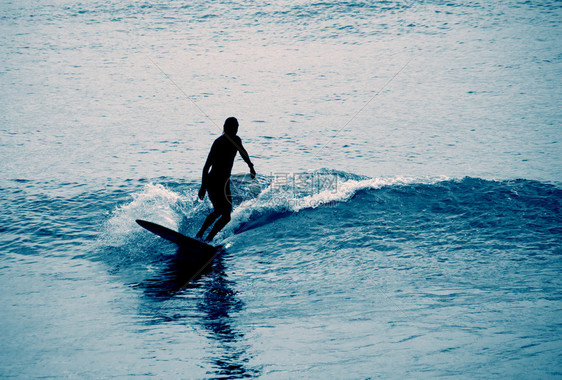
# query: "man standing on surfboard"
{"points": [[216, 182]]}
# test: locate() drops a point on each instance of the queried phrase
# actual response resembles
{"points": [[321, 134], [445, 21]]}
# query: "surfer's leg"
{"points": [[224, 219], [210, 220], [222, 202]]}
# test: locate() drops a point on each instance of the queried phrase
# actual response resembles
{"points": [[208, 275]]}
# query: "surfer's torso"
{"points": [[222, 156]]}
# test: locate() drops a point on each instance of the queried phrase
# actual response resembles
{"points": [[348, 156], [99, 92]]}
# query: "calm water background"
{"points": [[406, 220]]}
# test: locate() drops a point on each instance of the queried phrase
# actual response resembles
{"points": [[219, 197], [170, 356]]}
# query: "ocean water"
{"points": [[406, 220]]}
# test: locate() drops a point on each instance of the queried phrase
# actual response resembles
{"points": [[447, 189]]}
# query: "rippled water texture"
{"points": [[123, 89], [406, 219]]}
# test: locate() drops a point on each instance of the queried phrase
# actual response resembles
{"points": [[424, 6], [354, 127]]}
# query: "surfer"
{"points": [[216, 182]]}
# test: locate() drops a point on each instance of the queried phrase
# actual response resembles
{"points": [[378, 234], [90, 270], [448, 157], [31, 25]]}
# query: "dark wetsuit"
{"points": [[216, 182]]}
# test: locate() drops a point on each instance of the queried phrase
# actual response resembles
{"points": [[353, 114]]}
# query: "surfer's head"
{"points": [[231, 126]]}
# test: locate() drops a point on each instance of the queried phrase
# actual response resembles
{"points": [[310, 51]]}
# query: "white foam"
{"points": [[154, 203], [281, 199]]}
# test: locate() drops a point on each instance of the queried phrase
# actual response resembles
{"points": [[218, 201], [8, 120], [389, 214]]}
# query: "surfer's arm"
{"points": [[246, 158], [205, 176]]}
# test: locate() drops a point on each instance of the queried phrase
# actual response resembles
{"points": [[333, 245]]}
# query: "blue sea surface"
{"points": [[406, 220]]}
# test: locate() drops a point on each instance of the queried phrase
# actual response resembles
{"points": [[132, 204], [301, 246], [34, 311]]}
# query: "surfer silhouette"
{"points": [[216, 177]]}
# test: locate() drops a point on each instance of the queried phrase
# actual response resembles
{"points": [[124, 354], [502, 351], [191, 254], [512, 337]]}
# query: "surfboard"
{"points": [[173, 236], [193, 256]]}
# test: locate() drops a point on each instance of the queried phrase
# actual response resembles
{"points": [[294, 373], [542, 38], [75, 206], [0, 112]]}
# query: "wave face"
{"points": [[518, 210], [450, 221], [460, 210]]}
